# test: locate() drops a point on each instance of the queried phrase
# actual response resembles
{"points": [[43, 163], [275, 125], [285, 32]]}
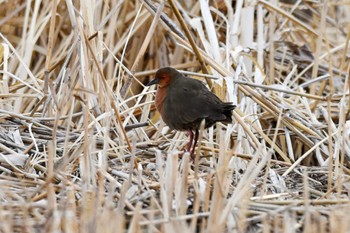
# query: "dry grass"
{"points": [[73, 157]]}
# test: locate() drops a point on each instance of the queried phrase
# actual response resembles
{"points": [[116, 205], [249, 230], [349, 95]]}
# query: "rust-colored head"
{"points": [[164, 77]]}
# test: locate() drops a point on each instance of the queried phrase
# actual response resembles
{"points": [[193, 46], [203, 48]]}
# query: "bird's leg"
{"points": [[196, 135], [189, 145]]}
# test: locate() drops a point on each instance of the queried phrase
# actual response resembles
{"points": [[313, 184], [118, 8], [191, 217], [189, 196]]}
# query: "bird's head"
{"points": [[164, 77]]}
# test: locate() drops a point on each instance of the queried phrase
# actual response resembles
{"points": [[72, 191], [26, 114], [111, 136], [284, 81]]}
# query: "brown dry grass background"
{"points": [[72, 96]]}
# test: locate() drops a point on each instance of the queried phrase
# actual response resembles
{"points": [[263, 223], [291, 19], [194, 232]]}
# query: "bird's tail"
{"points": [[227, 109]]}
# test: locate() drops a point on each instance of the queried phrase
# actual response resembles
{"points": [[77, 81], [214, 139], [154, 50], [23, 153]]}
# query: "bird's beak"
{"points": [[154, 81]]}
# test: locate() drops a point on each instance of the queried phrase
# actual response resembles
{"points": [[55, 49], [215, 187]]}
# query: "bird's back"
{"points": [[189, 101]]}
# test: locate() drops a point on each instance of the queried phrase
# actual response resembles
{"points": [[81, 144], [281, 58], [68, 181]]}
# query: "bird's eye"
{"points": [[185, 89]]}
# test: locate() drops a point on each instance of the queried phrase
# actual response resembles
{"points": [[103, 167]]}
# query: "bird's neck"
{"points": [[160, 97]]}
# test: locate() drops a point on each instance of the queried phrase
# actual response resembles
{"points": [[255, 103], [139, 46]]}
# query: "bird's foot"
{"points": [[192, 155]]}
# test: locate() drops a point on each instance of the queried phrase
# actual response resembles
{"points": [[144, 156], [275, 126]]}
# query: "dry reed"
{"points": [[82, 148]]}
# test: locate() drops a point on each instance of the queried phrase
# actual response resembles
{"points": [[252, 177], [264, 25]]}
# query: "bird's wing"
{"points": [[190, 101]]}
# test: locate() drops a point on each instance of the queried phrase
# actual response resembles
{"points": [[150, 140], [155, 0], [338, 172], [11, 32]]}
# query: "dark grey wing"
{"points": [[190, 102]]}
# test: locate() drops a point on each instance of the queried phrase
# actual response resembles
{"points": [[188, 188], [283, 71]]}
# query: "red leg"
{"points": [[196, 135], [189, 145]]}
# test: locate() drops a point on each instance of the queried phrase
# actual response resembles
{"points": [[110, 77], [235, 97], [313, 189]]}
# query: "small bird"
{"points": [[184, 102]]}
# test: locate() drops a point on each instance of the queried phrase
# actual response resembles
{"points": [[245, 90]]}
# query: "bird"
{"points": [[184, 102]]}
